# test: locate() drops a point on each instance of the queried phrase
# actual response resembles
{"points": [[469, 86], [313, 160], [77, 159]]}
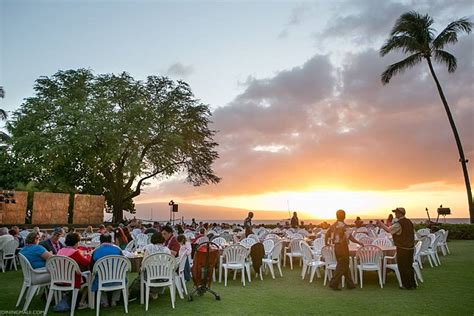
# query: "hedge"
{"points": [[456, 231]]}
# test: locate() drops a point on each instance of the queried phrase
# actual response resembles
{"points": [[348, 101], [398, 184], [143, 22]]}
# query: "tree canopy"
{"points": [[108, 134]]}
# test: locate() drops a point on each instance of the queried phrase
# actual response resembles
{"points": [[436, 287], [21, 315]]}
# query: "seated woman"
{"points": [[88, 232], [71, 250], [36, 254], [156, 246], [120, 239]]}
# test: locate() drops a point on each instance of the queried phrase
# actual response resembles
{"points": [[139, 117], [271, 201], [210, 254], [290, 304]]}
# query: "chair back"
{"points": [[268, 245], [111, 269], [359, 236], [294, 246], [383, 242], [131, 246], [248, 242], [365, 240], [306, 251], [95, 237], [272, 236], [202, 239], [369, 254], [220, 241], [226, 235], [276, 251], [160, 266], [445, 236], [189, 235], [436, 240], [416, 253], [26, 268], [296, 236], [63, 271], [235, 254], [318, 244], [362, 230], [303, 232], [254, 236], [425, 244], [328, 254], [423, 232], [141, 240], [182, 262], [9, 249]]}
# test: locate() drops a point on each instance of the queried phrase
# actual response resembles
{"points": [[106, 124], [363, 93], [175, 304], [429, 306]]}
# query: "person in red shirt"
{"points": [[170, 240], [71, 250]]}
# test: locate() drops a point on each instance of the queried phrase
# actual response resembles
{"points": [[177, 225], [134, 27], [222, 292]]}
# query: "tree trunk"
{"points": [[117, 211], [462, 159]]}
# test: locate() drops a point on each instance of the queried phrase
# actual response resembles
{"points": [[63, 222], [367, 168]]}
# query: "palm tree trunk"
{"points": [[462, 159]]}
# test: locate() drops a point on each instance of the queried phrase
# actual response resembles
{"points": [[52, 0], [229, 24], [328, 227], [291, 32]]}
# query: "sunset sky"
{"points": [[295, 90]]}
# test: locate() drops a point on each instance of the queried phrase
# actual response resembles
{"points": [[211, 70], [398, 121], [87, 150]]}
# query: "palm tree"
{"points": [[412, 34], [3, 116]]}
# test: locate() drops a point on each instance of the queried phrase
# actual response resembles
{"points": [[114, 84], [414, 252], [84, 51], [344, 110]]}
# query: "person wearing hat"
{"points": [[339, 236], [404, 239], [53, 244]]}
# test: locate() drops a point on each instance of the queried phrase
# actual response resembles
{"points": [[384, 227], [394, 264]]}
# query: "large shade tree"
{"points": [[414, 35], [109, 134]]}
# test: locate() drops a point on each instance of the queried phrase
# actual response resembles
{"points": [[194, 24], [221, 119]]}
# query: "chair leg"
{"points": [[361, 277], [272, 272], [418, 272], [142, 289], [29, 296], [23, 288], [183, 283], [74, 300], [384, 277], [313, 271], [147, 296], [303, 271], [291, 263], [220, 269], [397, 273], [177, 283], [379, 272], [173, 294], [225, 276], [261, 273], [325, 275], [48, 301], [247, 267], [97, 302], [125, 299], [243, 275], [279, 268]]}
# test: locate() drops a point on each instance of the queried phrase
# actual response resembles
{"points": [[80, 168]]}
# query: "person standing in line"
{"points": [[339, 236], [295, 222], [248, 220], [404, 239]]}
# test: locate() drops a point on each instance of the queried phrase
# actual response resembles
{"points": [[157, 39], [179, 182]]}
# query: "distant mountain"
{"points": [[159, 211]]}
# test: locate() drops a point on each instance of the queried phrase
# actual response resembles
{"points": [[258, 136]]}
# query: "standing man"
{"points": [[295, 222], [339, 236], [248, 220], [404, 239]]}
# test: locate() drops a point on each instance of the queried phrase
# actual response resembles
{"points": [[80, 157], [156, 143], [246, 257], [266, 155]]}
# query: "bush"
{"points": [[456, 231]]}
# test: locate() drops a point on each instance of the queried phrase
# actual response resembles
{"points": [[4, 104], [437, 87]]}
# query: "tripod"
{"points": [[203, 269]]}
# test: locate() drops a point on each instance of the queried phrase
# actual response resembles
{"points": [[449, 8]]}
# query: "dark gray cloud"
{"points": [[180, 70]]}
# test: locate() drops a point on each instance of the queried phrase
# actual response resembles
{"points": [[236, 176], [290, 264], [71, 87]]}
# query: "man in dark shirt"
{"points": [[53, 244], [248, 220], [339, 236], [295, 221], [404, 239]]}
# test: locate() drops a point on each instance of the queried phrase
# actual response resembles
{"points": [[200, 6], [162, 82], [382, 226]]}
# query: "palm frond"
{"points": [[4, 137], [450, 34], [405, 43], [444, 57], [400, 67], [3, 115]]}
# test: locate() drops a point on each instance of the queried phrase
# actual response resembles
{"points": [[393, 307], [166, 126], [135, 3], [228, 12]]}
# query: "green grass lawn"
{"points": [[448, 289]]}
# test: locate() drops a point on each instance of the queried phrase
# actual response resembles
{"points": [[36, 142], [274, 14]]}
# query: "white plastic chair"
{"points": [[63, 276], [254, 236], [365, 240], [158, 271], [369, 258], [220, 241], [425, 251], [33, 280], [274, 258], [202, 239], [95, 237], [189, 235], [310, 261], [434, 248], [182, 265], [330, 263], [268, 245], [318, 244], [111, 273], [359, 236], [443, 242], [297, 236], [234, 259], [131, 246], [141, 240], [362, 230], [416, 261], [248, 242], [272, 236], [392, 266], [293, 251], [9, 253], [382, 242]]}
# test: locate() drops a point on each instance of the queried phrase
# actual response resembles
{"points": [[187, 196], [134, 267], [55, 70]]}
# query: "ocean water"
{"points": [[318, 221]]}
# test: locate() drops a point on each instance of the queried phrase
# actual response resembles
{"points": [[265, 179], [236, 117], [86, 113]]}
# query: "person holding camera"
{"points": [[404, 239]]}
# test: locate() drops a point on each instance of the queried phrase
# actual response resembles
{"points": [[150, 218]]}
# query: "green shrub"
{"points": [[456, 231]]}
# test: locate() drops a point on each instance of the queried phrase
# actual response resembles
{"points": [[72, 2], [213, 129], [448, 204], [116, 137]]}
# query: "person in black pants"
{"points": [[339, 236], [404, 239]]}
